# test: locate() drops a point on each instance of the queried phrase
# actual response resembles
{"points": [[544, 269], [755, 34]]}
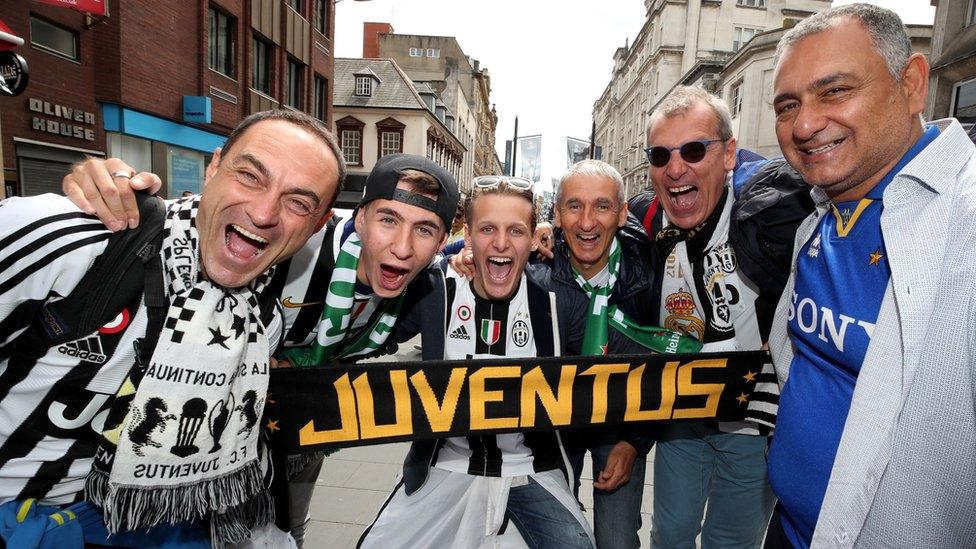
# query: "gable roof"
{"points": [[393, 89]]}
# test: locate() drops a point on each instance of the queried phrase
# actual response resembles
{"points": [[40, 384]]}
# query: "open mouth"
{"points": [[588, 239], [243, 243], [392, 277], [683, 196], [824, 149], [499, 268]]}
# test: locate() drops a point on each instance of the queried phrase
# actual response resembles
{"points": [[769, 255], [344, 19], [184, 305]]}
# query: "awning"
{"points": [[8, 40], [94, 7]]}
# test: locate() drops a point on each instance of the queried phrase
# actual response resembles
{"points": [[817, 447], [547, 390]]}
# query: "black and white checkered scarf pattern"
{"points": [[181, 439]]}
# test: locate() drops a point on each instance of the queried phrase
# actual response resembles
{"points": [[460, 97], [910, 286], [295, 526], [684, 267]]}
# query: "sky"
{"points": [[548, 61]]}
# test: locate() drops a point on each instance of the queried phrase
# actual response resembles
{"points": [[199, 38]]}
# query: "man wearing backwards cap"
{"points": [[342, 291]]}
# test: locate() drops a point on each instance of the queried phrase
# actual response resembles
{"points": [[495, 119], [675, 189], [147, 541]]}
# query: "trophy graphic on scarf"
{"points": [[194, 410], [219, 418]]}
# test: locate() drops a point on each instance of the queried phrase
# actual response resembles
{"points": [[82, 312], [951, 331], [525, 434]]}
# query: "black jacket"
{"points": [[637, 294], [425, 311]]}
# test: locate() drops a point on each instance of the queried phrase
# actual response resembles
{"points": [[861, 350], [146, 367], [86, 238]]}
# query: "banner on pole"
{"points": [[528, 158], [576, 151], [356, 405]]}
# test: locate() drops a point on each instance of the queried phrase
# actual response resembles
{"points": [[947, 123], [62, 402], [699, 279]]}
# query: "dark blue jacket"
{"points": [[637, 294]]}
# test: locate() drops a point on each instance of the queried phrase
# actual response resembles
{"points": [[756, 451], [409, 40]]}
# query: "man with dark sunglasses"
{"points": [[704, 294]]}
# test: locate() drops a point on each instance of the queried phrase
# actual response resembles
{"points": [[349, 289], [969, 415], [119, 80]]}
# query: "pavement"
{"points": [[355, 482]]}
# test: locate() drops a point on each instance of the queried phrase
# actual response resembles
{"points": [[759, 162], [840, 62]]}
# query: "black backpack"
{"points": [[765, 217], [129, 266]]}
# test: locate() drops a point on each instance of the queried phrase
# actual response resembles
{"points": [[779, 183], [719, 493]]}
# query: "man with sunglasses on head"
{"points": [[704, 294], [466, 491]]}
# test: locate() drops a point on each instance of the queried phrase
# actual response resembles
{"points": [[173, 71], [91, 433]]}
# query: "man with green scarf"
{"points": [[604, 254]]}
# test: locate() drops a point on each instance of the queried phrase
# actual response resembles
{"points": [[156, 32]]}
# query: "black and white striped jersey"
{"points": [[303, 281], [485, 328], [52, 409]]}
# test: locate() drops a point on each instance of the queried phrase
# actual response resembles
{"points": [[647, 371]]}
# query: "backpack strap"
{"points": [[115, 278]]}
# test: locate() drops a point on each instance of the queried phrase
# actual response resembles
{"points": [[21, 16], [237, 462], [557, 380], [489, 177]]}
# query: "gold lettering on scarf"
{"points": [[348, 426], [558, 408], [634, 413], [601, 379], [480, 397], [713, 391], [440, 416], [401, 405]]}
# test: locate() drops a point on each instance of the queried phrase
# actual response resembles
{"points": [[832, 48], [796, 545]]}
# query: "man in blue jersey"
{"points": [[873, 338]]}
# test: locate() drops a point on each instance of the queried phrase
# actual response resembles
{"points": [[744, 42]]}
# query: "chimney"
{"points": [[371, 38]]}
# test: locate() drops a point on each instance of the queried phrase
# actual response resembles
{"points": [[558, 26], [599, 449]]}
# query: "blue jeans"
{"points": [[542, 520], [616, 514], [695, 463]]}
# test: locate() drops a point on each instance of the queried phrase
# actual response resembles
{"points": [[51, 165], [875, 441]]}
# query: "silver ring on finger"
{"points": [[127, 175]]}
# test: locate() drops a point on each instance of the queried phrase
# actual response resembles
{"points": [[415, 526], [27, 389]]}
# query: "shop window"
{"points": [[53, 38], [261, 66], [220, 45]]}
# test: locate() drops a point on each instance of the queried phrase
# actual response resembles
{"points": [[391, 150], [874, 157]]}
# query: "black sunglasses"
{"points": [[692, 151]]}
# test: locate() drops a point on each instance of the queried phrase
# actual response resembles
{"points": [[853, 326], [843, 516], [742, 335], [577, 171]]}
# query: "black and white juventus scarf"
{"points": [[181, 439]]}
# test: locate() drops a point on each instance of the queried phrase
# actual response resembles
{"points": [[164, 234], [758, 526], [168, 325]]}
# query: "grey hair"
{"points": [[885, 27], [592, 168], [683, 98]]}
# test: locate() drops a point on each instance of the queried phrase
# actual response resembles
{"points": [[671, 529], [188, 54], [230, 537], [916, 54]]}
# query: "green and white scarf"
{"points": [[330, 342], [600, 315]]}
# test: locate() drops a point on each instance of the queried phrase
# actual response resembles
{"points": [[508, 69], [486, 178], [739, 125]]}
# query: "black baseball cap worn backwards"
{"points": [[382, 183]]}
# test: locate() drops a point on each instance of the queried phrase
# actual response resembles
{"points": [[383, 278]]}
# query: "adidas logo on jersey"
{"points": [[89, 348], [459, 333]]}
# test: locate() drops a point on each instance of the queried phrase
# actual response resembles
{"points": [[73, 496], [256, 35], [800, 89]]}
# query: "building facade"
{"points": [[379, 110], [158, 83], [952, 84], [746, 84], [680, 42], [462, 84]]}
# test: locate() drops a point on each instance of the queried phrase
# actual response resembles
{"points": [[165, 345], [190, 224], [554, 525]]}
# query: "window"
{"points": [[352, 146], [971, 16], [53, 38], [321, 106], [221, 43], [741, 35], [296, 5], [433, 52], [416, 52], [261, 66], [752, 3], [964, 101], [735, 98], [322, 16], [364, 86], [293, 97], [390, 143]]}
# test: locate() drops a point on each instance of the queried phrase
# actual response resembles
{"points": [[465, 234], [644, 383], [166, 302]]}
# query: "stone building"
{"points": [[952, 85], [378, 110], [680, 42], [462, 84]]}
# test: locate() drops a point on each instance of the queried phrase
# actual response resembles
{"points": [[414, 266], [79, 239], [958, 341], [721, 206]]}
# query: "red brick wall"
{"points": [[371, 39], [52, 78]]}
